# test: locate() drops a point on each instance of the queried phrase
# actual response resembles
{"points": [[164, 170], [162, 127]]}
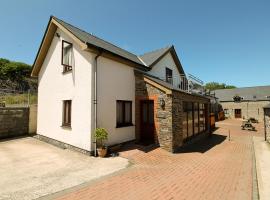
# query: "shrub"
{"points": [[101, 135]]}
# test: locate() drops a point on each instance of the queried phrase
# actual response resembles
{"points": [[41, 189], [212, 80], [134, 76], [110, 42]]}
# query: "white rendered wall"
{"points": [[54, 87], [159, 69], [116, 81]]}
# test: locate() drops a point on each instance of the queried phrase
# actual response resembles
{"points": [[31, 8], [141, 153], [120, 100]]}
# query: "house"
{"points": [[244, 102], [85, 82]]}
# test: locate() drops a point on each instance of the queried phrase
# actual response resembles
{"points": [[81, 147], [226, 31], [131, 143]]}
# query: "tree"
{"points": [[215, 86], [15, 75]]}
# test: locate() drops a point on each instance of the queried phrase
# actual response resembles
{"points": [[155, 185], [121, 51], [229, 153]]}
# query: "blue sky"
{"points": [[225, 41]]}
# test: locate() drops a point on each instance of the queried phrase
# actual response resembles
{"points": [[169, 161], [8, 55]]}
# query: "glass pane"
{"points": [[67, 55], [169, 75], [190, 119], [127, 112], [69, 112], [205, 116], [119, 113], [202, 118], [66, 112], [184, 120], [196, 119]]}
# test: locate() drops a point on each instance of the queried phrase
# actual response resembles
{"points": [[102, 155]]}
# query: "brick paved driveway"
{"points": [[213, 169]]}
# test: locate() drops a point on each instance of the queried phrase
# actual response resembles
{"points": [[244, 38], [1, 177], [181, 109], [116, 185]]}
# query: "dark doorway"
{"points": [[237, 113], [147, 121]]}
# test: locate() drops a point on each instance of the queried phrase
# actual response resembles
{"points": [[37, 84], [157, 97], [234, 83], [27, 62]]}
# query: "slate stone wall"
{"points": [[14, 122], [168, 119], [177, 123], [248, 109], [162, 116]]}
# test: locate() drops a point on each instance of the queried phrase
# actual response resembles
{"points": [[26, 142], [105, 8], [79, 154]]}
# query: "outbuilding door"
{"points": [[237, 113], [147, 121]]}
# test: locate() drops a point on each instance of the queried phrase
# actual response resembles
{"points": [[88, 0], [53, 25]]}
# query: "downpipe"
{"points": [[95, 98]]}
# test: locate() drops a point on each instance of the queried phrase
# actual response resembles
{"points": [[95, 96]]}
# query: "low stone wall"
{"points": [[14, 122], [32, 119], [17, 121], [62, 144], [267, 124]]}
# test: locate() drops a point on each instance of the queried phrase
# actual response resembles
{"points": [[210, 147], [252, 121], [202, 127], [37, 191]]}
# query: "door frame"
{"points": [[238, 115]]}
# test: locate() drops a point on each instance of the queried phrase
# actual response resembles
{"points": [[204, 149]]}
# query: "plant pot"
{"points": [[102, 152]]}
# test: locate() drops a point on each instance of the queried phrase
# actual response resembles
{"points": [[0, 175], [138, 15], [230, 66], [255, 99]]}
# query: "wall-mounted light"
{"points": [[162, 103], [57, 35]]}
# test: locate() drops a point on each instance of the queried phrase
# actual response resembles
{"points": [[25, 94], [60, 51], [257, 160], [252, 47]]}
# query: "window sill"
{"points": [[68, 127], [123, 125], [67, 71]]}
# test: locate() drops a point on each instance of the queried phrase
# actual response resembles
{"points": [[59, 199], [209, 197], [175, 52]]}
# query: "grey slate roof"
{"points": [[145, 60], [99, 43], [247, 93], [150, 57]]}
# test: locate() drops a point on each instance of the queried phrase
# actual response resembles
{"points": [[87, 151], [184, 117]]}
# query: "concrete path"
{"points": [[30, 168], [212, 169], [262, 151]]}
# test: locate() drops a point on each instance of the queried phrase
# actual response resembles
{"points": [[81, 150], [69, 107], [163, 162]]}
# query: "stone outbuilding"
{"points": [[168, 116], [244, 102]]}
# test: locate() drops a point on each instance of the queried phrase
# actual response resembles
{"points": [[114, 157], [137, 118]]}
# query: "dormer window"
{"points": [[237, 99], [66, 56], [169, 76]]}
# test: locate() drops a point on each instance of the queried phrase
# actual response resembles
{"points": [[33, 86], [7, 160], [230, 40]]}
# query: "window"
{"points": [[196, 118], [190, 118], [202, 117], [123, 113], [66, 56], [169, 76], [66, 113], [237, 99], [185, 120]]}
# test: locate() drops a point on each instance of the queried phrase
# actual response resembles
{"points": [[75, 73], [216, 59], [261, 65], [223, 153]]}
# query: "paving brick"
{"points": [[211, 169]]}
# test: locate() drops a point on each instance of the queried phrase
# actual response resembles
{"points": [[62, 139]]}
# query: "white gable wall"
{"points": [[159, 69], [54, 87], [116, 81]]}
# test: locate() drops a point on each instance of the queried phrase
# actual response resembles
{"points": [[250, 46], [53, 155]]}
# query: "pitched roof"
{"points": [[87, 40], [92, 40], [150, 57], [247, 93]]}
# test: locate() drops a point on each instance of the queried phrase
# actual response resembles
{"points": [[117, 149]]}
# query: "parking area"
{"points": [[216, 168], [30, 168]]}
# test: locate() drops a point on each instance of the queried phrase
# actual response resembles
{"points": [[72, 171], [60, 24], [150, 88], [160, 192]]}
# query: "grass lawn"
{"points": [[18, 99]]}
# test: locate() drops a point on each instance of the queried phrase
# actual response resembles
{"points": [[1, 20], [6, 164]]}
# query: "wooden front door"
{"points": [[237, 113], [147, 121]]}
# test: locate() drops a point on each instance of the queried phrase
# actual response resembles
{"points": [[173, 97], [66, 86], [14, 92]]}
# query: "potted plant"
{"points": [[101, 135]]}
